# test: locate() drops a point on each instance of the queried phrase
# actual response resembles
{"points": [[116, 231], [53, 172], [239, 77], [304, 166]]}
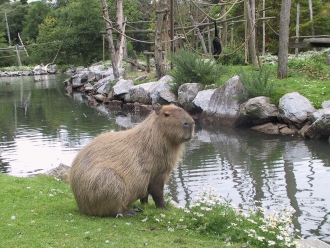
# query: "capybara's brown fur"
{"points": [[117, 168]]}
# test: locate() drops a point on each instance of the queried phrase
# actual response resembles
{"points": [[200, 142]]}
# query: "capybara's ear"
{"points": [[157, 108]]}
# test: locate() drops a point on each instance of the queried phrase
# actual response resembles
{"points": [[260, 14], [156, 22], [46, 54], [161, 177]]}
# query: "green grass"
{"points": [[41, 212], [314, 85]]}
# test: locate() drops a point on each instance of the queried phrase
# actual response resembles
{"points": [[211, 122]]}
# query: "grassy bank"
{"points": [[41, 212]]}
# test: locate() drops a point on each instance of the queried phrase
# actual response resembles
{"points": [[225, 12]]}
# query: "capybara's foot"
{"points": [[129, 212]]}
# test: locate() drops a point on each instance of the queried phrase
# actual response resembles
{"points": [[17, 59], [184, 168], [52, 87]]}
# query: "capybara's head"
{"points": [[175, 123]]}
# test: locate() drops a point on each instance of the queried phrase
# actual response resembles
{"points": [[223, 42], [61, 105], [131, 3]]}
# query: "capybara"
{"points": [[117, 168]]}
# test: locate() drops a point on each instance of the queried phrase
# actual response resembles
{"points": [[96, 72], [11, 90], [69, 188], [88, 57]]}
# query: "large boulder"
{"points": [[295, 109], [202, 98], [103, 85], [326, 104], [79, 79], [320, 128], [107, 73], [121, 88], [187, 93], [224, 105], [258, 110], [161, 93], [153, 92]]}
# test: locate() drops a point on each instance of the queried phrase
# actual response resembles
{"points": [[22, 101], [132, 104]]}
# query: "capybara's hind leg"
{"points": [[130, 212], [144, 200]]}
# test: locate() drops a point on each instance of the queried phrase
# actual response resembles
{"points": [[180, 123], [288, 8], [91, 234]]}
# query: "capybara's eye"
{"points": [[166, 114]]}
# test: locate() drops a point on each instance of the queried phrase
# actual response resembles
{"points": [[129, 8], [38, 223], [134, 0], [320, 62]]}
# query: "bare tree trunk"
{"points": [[310, 4], [161, 17], [251, 19], [263, 29], [246, 33], [283, 43], [112, 51], [296, 51], [200, 37], [224, 27], [120, 37]]}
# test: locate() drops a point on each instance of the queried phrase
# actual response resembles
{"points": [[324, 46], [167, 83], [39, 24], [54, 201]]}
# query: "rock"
{"points": [[258, 110], [202, 98], [140, 78], [223, 108], [149, 93], [122, 87], [60, 172], [80, 69], [269, 128], [165, 96], [103, 85], [288, 130], [161, 91], [88, 87], [100, 97], [141, 93], [326, 104], [51, 68], [39, 70], [319, 129], [79, 79], [295, 109], [187, 93]]}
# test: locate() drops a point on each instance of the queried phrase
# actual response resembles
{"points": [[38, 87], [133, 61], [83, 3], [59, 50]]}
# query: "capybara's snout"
{"points": [[189, 127]]}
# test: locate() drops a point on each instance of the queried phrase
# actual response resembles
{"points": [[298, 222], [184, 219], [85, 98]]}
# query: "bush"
{"points": [[230, 58], [256, 83], [189, 67]]}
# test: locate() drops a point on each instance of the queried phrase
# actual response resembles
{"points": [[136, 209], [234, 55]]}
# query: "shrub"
{"points": [[256, 83], [189, 67], [230, 58]]}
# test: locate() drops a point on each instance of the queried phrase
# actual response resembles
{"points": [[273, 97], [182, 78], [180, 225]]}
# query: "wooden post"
{"points": [[18, 57]]}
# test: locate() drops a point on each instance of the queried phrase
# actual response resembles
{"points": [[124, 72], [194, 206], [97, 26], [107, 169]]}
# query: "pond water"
{"points": [[41, 126]]}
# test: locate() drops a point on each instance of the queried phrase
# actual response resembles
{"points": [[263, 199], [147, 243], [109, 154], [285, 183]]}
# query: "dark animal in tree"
{"points": [[118, 168], [216, 42]]}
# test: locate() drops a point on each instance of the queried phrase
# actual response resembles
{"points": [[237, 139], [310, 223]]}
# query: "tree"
{"points": [[37, 13], [161, 17], [112, 50], [15, 15], [72, 32], [284, 39], [251, 29]]}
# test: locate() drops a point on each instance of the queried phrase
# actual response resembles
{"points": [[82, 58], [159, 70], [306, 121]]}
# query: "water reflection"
{"points": [[248, 166], [41, 126]]}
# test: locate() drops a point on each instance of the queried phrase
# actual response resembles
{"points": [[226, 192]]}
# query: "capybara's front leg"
{"points": [[156, 190]]}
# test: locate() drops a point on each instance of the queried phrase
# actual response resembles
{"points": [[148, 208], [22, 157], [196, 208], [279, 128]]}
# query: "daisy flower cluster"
{"points": [[214, 214]]}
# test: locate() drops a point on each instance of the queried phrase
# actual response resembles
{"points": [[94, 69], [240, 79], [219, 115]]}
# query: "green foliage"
{"points": [[189, 67], [77, 25], [256, 83], [230, 58], [37, 13]]}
